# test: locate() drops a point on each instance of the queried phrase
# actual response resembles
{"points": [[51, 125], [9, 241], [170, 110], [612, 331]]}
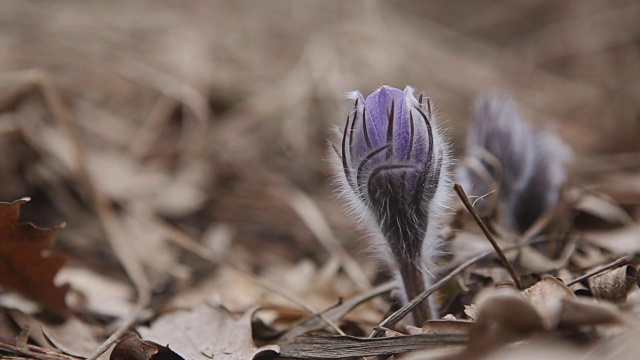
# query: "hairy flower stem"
{"points": [[414, 285]]}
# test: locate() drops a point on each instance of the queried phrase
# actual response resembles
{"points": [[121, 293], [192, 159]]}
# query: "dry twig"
{"points": [[614, 264], [505, 262]]}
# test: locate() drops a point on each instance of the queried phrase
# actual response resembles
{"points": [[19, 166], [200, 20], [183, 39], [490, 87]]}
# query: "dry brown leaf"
{"points": [[73, 336], [614, 284], [131, 347], [508, 309], [25, 264], [503, 315], [558, 306], [205, 332], [546, 297]]}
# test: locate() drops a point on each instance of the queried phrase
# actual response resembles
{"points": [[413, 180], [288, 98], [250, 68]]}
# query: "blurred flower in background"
{"points": [[511, 171]]}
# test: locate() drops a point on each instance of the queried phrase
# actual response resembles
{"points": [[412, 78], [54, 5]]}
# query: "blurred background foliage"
{"points": [[233, 100]]}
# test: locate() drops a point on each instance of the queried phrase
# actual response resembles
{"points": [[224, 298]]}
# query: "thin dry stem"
{"points": [[614, 264], [505, 262]]}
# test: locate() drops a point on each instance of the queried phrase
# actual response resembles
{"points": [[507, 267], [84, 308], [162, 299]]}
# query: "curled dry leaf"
{"points": [[25, 264], [546, 297], [559, 306], [613, 285]]}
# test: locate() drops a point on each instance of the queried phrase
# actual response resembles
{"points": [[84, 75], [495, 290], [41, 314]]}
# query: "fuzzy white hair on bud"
{"points": [[392, 164]]}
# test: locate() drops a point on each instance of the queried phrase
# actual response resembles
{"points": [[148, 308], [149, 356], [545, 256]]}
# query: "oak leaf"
{"points": [[26, 264]]}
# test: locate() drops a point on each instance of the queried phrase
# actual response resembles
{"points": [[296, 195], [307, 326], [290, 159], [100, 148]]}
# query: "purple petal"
{"points": [[378, 104]]}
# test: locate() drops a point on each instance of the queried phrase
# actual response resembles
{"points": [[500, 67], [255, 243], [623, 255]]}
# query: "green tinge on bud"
{"points": [[393, 169]]}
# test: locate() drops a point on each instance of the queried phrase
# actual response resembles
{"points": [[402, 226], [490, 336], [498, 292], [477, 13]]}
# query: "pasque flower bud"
{"points": [[393, 168], [500, 152], [522, 168]]}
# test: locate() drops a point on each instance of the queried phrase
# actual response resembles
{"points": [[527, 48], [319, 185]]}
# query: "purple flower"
{"points": [[543, 189], [510, 165], [502, 143], [394, 166]]}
